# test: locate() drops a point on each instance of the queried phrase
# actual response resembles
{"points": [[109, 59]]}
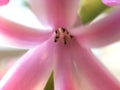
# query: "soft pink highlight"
{"points": [[3, 2], [111, 2], [47, 13]]}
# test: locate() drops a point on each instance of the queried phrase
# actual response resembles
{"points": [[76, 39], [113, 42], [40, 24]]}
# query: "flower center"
{"points": [[63, 35]]}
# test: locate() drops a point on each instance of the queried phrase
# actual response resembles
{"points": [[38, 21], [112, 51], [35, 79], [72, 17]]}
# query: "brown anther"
{"points": [[67, 32], [56, 31], [63, 30], [56, 39], [71, 36], [65, 42]]}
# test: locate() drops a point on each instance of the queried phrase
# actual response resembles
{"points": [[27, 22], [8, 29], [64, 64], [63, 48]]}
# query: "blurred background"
{"points": [[18, 11]]}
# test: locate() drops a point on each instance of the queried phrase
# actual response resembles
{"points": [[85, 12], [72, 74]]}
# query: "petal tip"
{"points": [[3, 2], [111, 2]]}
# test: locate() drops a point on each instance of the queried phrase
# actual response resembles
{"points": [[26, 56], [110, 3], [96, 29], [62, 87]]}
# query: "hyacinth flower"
{"points": [[111, 2], [64, 49]]}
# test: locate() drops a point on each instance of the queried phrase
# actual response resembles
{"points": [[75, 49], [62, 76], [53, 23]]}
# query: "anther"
{"points": [[71, 36], [65, 42], [63, 30], [67, 32], [56, 31], [56, 39]]}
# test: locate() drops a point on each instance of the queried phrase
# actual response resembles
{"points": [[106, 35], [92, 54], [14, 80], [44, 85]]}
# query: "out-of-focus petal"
{"points": [[31, 71], [3, 2], [64, 73], [95, 75], [111, 2], [20, 35], [56, 13], [100, 33]]}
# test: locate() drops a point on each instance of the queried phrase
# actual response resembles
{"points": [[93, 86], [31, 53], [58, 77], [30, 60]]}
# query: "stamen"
{"points": [[56, 31], [71, 36], [62, 33], [63, 30], [56, 38], [67, 32], [64, 40]]}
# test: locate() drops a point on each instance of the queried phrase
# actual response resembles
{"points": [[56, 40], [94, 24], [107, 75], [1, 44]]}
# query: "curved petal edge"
{"points": [[22, 36]]}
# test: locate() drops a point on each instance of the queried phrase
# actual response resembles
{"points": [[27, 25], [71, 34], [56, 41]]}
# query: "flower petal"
{"points": [[32, 70], [97, 77], [64, 73], [3, 2], [111, 2], [20, 35], [100, 33], [56, 13], [77, 22]]}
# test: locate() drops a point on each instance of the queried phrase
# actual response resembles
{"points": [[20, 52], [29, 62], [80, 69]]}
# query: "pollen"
{"points": [[63, 35]]}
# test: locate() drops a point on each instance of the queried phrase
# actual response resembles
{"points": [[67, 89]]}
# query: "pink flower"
{"points": [[64, 49], [3, 2], [111, 2]]}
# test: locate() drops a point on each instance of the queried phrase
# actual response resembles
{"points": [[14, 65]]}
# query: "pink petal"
{"points": [[77, 22], [64, 73], [31, 71], [56, 13], [3, 2], [95, 75], [111, 2], [100, 33], [20, 35]]}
